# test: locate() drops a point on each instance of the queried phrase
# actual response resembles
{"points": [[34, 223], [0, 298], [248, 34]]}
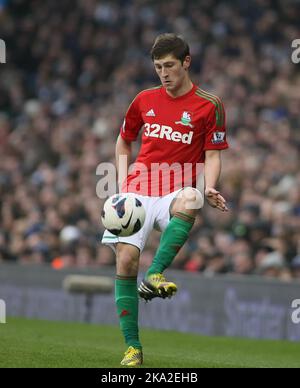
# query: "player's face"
{"points": [[171, 71]]}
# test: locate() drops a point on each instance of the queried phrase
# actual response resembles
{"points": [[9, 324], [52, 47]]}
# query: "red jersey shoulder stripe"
{"points": [[220, 115]]}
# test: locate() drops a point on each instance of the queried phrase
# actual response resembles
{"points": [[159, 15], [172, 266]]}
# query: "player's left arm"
{"points": [[212, 171], [215, 141]]}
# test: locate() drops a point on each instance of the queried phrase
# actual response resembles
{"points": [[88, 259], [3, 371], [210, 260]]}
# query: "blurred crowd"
{"points": [[72, 69]]}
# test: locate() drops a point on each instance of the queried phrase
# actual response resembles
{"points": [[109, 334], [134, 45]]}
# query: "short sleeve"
{"points": [[215, 135], [133, 121]]}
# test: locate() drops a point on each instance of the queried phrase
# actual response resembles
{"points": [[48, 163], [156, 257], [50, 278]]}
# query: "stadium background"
{"points": [[72, 69]]}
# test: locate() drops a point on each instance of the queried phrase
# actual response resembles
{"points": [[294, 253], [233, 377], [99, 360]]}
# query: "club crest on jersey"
{"points": [[185, 120]]}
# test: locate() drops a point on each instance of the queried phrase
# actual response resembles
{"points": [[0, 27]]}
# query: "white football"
{"points": [[123, 214]]}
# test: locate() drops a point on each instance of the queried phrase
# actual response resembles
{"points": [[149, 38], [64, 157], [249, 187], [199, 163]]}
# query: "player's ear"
{"points": [[187, 62]]}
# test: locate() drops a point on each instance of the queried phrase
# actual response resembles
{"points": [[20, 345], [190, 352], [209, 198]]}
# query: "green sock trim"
{"points": [[128, 278], [172, 239], [184, 217], [126, 298]]}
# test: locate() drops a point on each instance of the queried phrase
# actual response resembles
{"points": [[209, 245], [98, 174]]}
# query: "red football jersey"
{"points": [[176, 133]]}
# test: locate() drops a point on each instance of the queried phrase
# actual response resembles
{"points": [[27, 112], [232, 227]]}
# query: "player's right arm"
{"points": [[123, 158], [129, 131]]}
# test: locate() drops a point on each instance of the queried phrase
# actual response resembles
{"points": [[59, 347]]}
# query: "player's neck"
{"points": [[186, 86]]}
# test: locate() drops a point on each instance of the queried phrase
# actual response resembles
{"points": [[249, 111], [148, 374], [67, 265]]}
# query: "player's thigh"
{"points": [[163, 207], [178, 201]]}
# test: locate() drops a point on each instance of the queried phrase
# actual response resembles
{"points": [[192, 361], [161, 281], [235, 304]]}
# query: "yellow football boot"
{"points": [[156, 286], [132, 357]]}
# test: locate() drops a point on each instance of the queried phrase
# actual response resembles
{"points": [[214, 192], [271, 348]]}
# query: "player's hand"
{"points": [[215, 199]]}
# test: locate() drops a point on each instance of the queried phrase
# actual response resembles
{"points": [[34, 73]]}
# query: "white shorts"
{"points": [[157, 217]]}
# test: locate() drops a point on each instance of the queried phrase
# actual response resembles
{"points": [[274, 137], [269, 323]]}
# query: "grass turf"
{"points": [[33, 343]]}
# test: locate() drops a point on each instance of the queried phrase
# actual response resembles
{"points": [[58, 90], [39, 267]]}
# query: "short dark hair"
{"points": [[170, 43]]}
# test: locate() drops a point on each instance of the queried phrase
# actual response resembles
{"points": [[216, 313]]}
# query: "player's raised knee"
{"points": [[192, 198]]}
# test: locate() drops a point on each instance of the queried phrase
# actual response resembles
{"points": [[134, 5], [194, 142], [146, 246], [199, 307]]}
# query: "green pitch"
{"points": [[33, 343]]}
